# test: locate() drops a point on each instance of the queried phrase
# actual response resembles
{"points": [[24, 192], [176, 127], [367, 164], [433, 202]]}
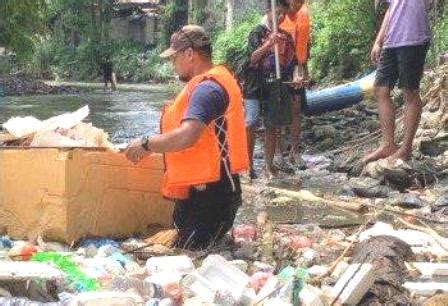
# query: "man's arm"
{"points": [[376, 50], [179, 139]]}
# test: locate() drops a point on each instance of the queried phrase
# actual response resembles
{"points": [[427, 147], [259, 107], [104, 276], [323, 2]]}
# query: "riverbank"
{"points": [[24, 85], [149, 87]]}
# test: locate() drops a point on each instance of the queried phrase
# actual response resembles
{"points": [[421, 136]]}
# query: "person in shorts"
{"points": [[400, 52], [259, 71]]}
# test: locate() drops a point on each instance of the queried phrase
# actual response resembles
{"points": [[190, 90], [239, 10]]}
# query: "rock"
{"points": [[434, 146], [246, 250], [440, 206], [441, 202], [408, 200], [402, 175], [227, 255], [325, 131], [317, 161], [367, 187]]}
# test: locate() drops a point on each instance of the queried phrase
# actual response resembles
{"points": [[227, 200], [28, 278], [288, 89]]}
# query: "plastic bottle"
{"points": [[224, 276]]}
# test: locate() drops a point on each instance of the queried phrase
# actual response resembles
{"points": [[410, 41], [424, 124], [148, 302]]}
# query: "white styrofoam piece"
{"points": [[354, 283], [426, 289]]}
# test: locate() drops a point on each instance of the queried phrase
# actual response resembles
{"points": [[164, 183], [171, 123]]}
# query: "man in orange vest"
{"points": [[203, 141], [297, 23]]}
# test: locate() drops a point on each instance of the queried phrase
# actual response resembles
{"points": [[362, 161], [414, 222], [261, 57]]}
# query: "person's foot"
{"points": [[401, 153], [297, 160], [271, 171], [383, 151], [252, 174]]}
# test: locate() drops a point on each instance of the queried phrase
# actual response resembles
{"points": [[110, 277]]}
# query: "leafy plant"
{"points": [[439, 43], [230, 46], [343, 32]]}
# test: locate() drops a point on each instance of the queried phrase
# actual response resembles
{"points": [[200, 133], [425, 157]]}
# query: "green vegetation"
{"points": [[343, 32], [230, 47], [439, 43], [71, 39]]}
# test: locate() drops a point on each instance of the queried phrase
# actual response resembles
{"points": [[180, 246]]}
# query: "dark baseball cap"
{"points": [[190, 36]]}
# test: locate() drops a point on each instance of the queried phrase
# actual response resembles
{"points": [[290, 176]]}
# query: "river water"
{"points": [[124, 115], [129, 114]]}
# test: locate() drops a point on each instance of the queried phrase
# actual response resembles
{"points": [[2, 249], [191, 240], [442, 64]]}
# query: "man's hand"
{"points": [[375, 54], [275, 38], [135, 152]]}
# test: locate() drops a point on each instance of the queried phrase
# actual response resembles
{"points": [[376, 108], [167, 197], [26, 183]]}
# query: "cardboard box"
{"points": [[68, 194]]}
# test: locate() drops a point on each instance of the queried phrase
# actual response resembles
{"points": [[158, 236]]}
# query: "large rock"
{"points": [[408, 200], [367, 187], [434, 146], [401, 175]]}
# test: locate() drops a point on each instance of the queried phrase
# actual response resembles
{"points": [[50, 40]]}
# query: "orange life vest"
{"points": [[201, 163], [299, 27]]}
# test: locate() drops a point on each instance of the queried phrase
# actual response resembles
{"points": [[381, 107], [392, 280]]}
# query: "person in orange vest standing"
{"points": [[203, 139], [298, 24]]}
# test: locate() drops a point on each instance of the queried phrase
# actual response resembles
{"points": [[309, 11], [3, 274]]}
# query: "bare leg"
{"points": [[413, 112], [251, 146], [269, 150], [386, 111], [295, 130]]}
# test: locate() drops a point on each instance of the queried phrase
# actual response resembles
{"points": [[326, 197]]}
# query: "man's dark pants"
{"points": [[207, 215]]}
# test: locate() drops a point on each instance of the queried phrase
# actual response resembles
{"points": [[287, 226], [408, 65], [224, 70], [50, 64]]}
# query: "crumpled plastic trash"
{"points": [[241, 233], [20, 127], [99, 242]]}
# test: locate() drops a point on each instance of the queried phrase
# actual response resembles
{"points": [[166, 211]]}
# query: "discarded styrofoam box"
{"points": [[106, 298], [426, 289], [431, 269], [68, 194], [354, 283], [21, 270]]}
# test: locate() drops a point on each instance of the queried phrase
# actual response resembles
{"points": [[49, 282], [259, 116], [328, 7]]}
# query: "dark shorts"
{"points": [[207, 215], [403, 64], [278, 105]]}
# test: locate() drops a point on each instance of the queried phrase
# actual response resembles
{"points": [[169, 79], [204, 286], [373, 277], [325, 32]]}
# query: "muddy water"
{"points": [[123, 115]]}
